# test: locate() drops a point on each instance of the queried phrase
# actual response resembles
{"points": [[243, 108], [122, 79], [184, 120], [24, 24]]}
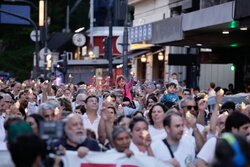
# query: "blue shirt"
{"points": [[170, 97]]}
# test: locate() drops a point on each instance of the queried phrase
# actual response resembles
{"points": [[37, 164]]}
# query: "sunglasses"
{"points": [[190, 107]]}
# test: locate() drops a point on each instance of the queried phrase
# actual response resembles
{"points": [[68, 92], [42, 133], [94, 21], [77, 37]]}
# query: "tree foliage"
{"points": [[16, 47]]}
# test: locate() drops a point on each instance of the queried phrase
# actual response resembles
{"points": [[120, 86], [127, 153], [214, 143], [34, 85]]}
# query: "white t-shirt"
{"points": [[2, 133], [135, 149], [88, 125], [189, 131], [207, 151], [185, 150], [156, 133]]}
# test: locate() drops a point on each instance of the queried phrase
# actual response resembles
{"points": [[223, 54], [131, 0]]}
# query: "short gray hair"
{"points": [[182, 103], [44, 106], [117, 130], [5, 95]]}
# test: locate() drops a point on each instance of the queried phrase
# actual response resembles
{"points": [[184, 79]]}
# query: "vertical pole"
{"points": [[45, 37], [110, 58], [125, 43], [67, 17], [36, 73], [91, 24]]}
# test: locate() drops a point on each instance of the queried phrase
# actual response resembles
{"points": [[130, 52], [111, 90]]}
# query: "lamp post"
{"points": [[37, 45], [125, 43]]}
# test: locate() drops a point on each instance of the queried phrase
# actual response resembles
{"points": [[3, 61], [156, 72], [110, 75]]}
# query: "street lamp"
{"points": [[143, 59], [160, 56], [41, 13]]}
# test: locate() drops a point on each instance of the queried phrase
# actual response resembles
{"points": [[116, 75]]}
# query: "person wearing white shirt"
{"points": [[176, 148], [91, 119], [156, 116], [141, 139]]}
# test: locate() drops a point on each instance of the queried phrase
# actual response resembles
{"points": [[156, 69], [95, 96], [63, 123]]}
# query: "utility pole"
{"points": [[91, 24], [125, 43], [110, 58], [67, 17]]}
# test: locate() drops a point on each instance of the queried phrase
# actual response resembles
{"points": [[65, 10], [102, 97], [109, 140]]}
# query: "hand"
{"points": [[128, 153], [219, 97], [61, 150], [82, 151], [202, 104], [191, 120], [174, 162], [132, 74], [147, 140]]}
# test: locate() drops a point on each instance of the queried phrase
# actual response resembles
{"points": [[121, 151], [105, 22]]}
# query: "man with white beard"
{"points": [[76, 139]]}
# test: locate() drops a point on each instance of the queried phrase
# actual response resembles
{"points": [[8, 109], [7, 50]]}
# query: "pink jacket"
{"points": [[126, 92]]}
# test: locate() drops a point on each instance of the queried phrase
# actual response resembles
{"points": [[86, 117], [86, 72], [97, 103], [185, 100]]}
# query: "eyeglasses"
{"points": [[190, 107]]}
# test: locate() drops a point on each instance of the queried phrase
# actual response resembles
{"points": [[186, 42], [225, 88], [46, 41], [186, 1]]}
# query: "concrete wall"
{"points": [[148, 11], [220, 74]]}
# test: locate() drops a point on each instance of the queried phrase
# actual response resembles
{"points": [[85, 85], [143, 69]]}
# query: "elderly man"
{"points": [[191, 114], [76, 139], [46, 111]]}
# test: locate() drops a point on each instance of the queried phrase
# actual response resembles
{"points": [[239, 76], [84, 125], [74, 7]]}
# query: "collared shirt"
{"points": [[2, 133], [92, 126]]}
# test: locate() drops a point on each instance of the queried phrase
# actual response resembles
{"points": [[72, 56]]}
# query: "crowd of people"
{"points": [[171, 123]]}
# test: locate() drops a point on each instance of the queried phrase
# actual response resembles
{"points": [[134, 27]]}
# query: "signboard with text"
{"points": [[140, 33]]}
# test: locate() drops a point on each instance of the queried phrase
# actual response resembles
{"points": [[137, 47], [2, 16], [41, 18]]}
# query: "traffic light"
{"points": [[106, 47], [61, 65], [232, 67]]}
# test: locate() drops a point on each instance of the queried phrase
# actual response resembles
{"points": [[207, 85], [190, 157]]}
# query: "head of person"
{"points": [[17, 87], [121, 138], [119, 96], [231, 150], [173, 124], [92, 103], [65, 104], [7, 101], [237, 123], [27, 150], [150, 88], [123, 121], [196, 90], [174, 76], [188, 104], [121, 82], [186, 93], [111, 112], [11, 121], [137, 125], [228, 106], [74, 129], [80, 99], [212, 85], [151, 100], [221, 121], [80, 109], [46, 111], [34, 120], [137, 114], [126, 102], [67, 93], [171, 87], [156, 113]]}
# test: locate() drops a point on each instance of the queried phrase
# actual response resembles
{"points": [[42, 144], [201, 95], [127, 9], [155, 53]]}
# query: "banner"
{"points": [[97, 159]]}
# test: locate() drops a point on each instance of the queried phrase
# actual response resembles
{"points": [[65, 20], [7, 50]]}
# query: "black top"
{"points": [[91, 144]]}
